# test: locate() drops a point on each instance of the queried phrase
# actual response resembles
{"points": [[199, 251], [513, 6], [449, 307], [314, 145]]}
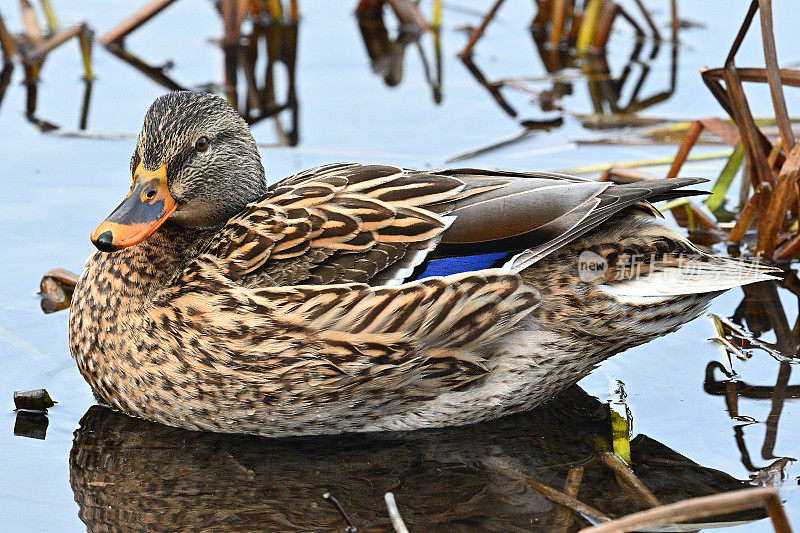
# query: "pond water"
{"points": [[99, 470]]}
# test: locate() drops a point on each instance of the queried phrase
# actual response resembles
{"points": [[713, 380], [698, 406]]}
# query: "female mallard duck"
{"points": [[364, 298]]}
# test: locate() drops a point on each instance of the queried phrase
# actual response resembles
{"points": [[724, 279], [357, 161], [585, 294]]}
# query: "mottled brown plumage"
{"points": [[299, 308]]}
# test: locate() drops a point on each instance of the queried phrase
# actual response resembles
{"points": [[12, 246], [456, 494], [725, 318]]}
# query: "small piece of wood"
{"points": [[56, 289], [33, 400]]}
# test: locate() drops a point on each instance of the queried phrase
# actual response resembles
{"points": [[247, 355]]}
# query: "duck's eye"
{"points": [[201, 144]]}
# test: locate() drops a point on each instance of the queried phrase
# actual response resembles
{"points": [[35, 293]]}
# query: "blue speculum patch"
{"points": [[456, 265]]}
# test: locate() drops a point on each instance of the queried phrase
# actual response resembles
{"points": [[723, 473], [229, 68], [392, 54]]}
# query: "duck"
{"points": [[358, 298]]}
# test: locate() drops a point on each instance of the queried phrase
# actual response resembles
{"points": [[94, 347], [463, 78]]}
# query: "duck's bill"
{"points": [[143, 211]]}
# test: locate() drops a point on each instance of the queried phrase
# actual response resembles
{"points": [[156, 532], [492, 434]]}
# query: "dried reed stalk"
{"points": [[700, 508]]}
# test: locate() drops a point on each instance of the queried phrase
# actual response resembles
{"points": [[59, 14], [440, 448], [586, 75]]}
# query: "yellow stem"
{"points": [[589, 169]]}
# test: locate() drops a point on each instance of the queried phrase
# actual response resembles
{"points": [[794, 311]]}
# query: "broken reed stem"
{"points": [[724, 130], [789, 249], [602, 29], [154, 73], [436, 15], [772, 158], [85, 43], [573, 481], [409, 14], [32, 29], [649, 19], [773, 75], [756, 75], [730, 346], [702, 507], [746, 217], [274, 9], [626, 475], [591, 14], [689, 140], [673, 9], [744, 120], [394, 513], [700, 218], [50, 16], [775, 213]]}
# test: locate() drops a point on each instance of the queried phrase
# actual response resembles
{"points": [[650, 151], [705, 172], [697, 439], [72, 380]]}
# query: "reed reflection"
{"points": [[387, 54], [760, 312], [253, 33], [572, 48], [128, 473], [32, 45]]}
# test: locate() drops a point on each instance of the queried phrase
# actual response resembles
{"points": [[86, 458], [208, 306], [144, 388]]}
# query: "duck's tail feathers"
{"points": [[684, 276], [679, 193]]}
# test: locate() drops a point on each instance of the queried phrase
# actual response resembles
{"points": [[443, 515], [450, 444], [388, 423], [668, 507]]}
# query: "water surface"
{"points": [[118, 470]]}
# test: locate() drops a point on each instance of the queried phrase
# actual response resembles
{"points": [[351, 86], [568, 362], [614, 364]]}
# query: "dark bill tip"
{"points": [[105, 241]]}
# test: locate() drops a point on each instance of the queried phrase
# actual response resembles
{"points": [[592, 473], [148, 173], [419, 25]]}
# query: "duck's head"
{"points": [[196, 164]]}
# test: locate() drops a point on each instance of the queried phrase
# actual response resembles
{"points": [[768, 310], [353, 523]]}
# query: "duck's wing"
{"points": [[418, 339], [384, 225], [335, 224]]}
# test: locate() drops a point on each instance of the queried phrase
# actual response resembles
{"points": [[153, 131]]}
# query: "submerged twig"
{"points": [[490, 147], [572, 485], [394, 513], [530, 126], [626, 475], [333, 501], [550, 493]]}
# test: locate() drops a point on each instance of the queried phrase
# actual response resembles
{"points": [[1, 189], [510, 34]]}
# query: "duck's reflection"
{"points": [[131, 474]]}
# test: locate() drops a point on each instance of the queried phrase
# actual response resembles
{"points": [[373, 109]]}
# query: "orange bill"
{"points": [[147, 206]]}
